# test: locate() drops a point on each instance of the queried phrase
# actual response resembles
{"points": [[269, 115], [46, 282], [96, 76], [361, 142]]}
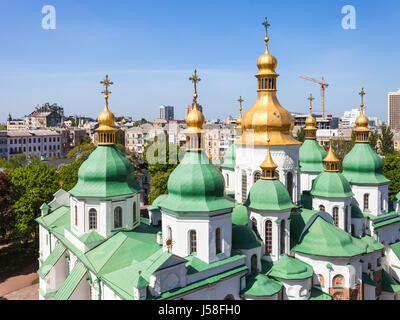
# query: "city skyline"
{"points": [[146, 53]]}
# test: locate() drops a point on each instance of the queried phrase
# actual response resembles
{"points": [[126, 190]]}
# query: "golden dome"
{"points": [[195, 120], [362, 121], [267, 114], [106, 118]]}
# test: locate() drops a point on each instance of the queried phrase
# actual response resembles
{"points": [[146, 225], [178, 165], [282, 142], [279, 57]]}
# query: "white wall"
{"points": [[340, 203], [375, 193]]}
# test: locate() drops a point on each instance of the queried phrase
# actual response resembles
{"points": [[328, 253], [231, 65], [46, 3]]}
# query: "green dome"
{"points": [[311, 156], [363, 166], [269, 195], [326, 240], [259, 285], [239, 215], [331, 185], [230, 158], [195, 186], [290, 268], [106, 173], [244, 238]]}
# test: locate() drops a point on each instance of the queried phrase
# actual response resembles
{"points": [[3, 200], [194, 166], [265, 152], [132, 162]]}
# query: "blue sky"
{"points": [[150, 48]]}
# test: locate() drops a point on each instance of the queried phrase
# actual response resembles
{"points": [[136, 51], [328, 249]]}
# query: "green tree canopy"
{"points": [[373, 140], [6, 214], [31, 187], [391, 170], [386, 145], [301, 134], [84, 147]]}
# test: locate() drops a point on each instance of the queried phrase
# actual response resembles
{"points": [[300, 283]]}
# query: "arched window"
{"points": [[193, 241], [169, 233], [322, 208], [353, 230], [117, 218], [92, 219], [229, 297], [218, 241], [227, 180], [338, 281], [134, 212], [257, 176], [382, 202], [289, 184], [76, 215], [244, 186], [254, 225], [346, 218], [366, 201], [254, 263], [283, 237], [268, 237], [363, 229], [335, 215]]}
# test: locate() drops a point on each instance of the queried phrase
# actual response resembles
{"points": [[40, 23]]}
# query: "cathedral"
{"points": [[277, 221]]}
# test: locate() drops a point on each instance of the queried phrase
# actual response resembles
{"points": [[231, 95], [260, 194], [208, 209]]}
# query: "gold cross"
{"points": [[106, 83], [240, 101], [266, 25], [311, 100], [194, 78], [362, 94]]}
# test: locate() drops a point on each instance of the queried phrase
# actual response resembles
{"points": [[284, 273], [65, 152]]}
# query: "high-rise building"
{"points": [[394, 110], [167, 112]]}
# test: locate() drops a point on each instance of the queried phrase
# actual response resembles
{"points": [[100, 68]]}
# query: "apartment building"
{"points": [[3, 145], [394, 110], [44, 143]]}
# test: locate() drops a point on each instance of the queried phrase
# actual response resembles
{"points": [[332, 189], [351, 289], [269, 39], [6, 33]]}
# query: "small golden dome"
{"points": [[331, 161], [310, 121], [239, 123], [362, 121], [106, 118], [195, 120], [267, 63]]}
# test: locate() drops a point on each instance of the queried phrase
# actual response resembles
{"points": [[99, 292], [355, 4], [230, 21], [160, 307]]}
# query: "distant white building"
{"points": [[349, 117]]}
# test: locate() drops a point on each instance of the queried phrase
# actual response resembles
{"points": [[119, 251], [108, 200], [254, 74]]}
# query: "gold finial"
{"points": [[331, 161], [266, 25], [106, 83], [239, 119], [311, 100], [362, 94], [268, 167], [195, 79], [240, 101]]}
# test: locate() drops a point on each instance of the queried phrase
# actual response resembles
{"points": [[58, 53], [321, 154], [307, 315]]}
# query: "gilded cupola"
{"points": [[106, 119], [267, 114], [311, 130], [331, 162], [268, 167], [362, 123], [195, 120]]}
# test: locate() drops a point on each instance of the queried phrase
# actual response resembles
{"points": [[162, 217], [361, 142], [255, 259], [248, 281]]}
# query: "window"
{"points": [[117, 217], [283, 237], [289, 184], [227, 180], [321, 280], [338, 281], [378, 262], [322, 208], [254, 267], [382, 202], [193, 242], [76, 215], [336, 216], [257, 176], [366, 201], [218, 242], [268, 237], [92, 219], [244, 187], [134, 212]]}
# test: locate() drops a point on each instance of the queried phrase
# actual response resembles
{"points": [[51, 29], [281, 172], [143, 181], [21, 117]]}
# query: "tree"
{"points": [[158, 185], [68, 174], [341, 148], [301, 134], [6, 214], [120, 137], [86, 139], [386, 141], [31, 187], [84, 147], [373, 140], [391, 170]]}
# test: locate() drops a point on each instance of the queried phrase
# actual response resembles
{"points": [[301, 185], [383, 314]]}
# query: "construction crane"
{"points": [[323, 85]]}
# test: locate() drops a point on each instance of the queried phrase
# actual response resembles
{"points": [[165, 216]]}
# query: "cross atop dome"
{"points": [[195, 79], [362, 94], [106, 83], [266, 25]]}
